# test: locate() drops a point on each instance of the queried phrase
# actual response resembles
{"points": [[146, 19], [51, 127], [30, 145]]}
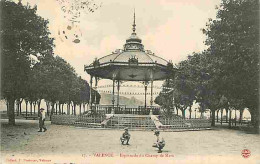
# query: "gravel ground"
{"points": [[62, 144]]}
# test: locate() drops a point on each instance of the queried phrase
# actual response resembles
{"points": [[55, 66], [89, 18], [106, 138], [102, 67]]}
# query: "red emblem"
{"points": [[245, 153]]}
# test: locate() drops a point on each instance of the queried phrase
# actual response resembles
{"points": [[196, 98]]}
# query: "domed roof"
{"points": [[133, 48], [132, 63], [133, 38], [124, 56]]}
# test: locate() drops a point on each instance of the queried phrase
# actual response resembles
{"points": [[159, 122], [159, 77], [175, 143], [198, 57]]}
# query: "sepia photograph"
{"points": [[129, 81]]}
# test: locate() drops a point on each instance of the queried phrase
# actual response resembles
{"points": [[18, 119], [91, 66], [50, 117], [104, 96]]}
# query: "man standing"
{"points": [[41, 120]]}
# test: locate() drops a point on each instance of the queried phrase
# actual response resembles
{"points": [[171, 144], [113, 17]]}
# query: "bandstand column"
{"points": [[96, 83], [145, 93], [118, 88], [151, 102], [90, 92], [113, 98]]}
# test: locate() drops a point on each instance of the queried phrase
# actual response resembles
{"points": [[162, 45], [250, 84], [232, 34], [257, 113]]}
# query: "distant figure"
{"points": [[160, 143], [125, 137], [41, 120]]}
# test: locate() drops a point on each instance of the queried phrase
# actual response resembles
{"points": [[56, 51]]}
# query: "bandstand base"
{"points": [[133, 122]]}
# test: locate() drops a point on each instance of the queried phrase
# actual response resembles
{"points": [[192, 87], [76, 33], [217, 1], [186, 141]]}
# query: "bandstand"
{"points": [[132, 63]]}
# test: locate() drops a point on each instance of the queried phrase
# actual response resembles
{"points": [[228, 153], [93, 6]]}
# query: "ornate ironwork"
{"points": [[96, 63], [133, 61]]}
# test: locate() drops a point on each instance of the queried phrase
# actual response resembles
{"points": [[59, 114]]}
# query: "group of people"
{"points": [[160, 143]]}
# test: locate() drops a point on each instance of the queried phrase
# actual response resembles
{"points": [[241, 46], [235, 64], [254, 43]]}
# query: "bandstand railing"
{"points": [[178, 122], [123, 109]]}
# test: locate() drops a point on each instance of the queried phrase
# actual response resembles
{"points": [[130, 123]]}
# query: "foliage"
{"points": [[234, 41], [227, 73], [29, 68], [23, 33]]}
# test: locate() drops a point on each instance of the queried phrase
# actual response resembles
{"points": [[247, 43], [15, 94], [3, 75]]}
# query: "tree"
{"points": [[23, 33], [165, 100], [84, 92], [234, 39]]}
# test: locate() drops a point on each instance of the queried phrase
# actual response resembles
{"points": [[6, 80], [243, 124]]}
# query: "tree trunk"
{"points": [[11, 114], [221, 116], [213, 117], [59, 109], [75, 109], [255, 119], [235, 117], [52, 108], [31, 107], [17, 107], [62, 108], [7, 105], [26, 107], [84, 107], [72, 109], [183, 113], [39, 105], [34, 105], [229, 121], [68, 109], [56, 111], [217, 115], [79, 109], [48, 108], [20, 106], [241, 115], [226, 115]]}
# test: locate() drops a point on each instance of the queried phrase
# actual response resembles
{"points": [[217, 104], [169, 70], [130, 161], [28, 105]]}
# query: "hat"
{"points": [[156, 132], [126, 128], [41, 109]]}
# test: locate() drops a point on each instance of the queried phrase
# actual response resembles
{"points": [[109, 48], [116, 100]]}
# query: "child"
{"points": [[160, 143], [125, 137]]}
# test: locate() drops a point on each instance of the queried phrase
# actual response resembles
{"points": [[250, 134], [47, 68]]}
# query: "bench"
{"points": [[31, 117]]}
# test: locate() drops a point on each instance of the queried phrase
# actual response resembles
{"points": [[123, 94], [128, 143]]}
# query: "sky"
{"points": [[169, 28]]}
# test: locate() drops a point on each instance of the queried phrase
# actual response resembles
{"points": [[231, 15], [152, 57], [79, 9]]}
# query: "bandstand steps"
{"points": [[132, 122]]}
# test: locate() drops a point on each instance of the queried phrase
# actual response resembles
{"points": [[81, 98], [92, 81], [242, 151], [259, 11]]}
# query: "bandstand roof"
{"points": [[124, 56], [132, 63]]}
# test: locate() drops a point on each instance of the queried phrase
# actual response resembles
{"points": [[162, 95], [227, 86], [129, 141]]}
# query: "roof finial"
{"points": [[134, 23]]}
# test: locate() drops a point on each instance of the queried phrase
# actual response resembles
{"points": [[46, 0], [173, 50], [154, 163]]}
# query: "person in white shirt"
{"points": [[160, 143], [41, 120]]}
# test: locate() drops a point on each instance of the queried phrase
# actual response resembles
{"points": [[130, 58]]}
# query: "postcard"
{"points": [[112, 81]]}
